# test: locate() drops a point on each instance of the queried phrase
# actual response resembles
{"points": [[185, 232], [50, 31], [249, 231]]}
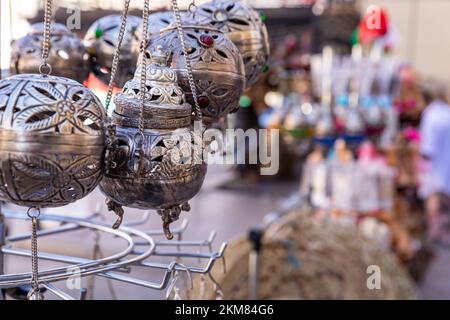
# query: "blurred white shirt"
{"points": [[435, 144]]}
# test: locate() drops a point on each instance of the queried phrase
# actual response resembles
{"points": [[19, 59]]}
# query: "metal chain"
{"points": [[34, 293], [176, 11], [45, 68], [142, 48], [192, 8], [115, 63]]}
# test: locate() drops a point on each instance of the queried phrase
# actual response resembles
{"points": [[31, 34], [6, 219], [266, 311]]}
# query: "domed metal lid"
{"points": [[57, 29], [165, 103]]}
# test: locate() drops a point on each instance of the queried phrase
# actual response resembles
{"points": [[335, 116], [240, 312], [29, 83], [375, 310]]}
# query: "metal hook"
{"points": [[117, 209]]}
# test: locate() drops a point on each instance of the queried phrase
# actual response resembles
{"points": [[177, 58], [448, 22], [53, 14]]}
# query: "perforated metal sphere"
{"points": [[167, 171], [156, 22], [218, 68], [68, 56], [51, 140], [101, 40], [244, 26]]}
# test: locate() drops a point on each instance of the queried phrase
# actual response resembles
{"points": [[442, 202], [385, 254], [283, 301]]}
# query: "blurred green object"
{"points": [[355, 37], [98, 33], [245, 101], [263, 16], [299, 133]]}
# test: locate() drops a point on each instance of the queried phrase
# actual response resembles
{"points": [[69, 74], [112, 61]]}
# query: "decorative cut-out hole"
{"points": [[155, 97], [222, 54], [158, 159], [160, 143], [108, 42], [77, 96], [45, 93], [104, 70], [88, 122], [230, 7], [63, 54], [71, 192], [220, 92], [114, 26], [207, 10], [190, 35], [215, 36], [239, 21], [40, 116]]}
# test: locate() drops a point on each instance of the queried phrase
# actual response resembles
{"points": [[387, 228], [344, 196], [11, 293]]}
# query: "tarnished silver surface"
{"points": [[67, 56], [101, 40], [51, 140], [217, 67], [165, 170], [158, 21], [244, 26]]}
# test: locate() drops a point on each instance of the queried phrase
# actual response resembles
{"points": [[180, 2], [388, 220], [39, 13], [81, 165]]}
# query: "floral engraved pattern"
{"points": [[49, 105], [245, 28], [161, 86], [47, 180], [218, 68]]}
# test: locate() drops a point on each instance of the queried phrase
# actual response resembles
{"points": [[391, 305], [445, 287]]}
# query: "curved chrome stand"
{"points": [[140, 247]]}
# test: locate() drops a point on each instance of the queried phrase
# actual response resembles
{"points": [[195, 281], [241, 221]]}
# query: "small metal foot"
{"points": [[117, 209], [170, 215]]}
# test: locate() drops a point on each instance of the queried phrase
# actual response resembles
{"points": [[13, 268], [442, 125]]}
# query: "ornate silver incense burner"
{"points": [[67, 55], [101, 40], [217, 68], [244, 26], [51, 140], [160, 168]]}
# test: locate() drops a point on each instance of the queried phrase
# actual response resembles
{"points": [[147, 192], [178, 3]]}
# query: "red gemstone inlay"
{"points": [[203, 101], [207, 40]]}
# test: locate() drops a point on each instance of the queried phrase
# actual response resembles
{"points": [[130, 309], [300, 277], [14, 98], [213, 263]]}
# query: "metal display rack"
{"points": [[139, 249]]}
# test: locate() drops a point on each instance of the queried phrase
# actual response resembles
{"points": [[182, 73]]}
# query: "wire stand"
{"points": [[140, 247]]}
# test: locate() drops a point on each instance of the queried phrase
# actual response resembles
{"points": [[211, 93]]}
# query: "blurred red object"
{"points": [[374, 25]]}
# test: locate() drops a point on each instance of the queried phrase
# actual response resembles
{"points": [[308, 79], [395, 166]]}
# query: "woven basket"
{"points": [[303, 258]]}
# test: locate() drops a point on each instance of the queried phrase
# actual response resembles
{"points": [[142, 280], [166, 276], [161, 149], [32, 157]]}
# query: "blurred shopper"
{"points": [[435, 147]]}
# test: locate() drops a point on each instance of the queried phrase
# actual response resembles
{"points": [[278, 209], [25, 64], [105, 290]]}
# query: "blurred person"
{"points": [[435, 148]]}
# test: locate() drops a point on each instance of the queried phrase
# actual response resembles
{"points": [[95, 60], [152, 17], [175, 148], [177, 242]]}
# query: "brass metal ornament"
{"points": [[101, 41], [160, 167], [51, 140], [244, 26], [67, 55], [217, 68]]}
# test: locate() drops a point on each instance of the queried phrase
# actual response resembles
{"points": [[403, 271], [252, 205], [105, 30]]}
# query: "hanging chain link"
{"points": [[45, 68], [145, 14], [192, 8], [115, 63], [176, 11], [35, 293]]}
